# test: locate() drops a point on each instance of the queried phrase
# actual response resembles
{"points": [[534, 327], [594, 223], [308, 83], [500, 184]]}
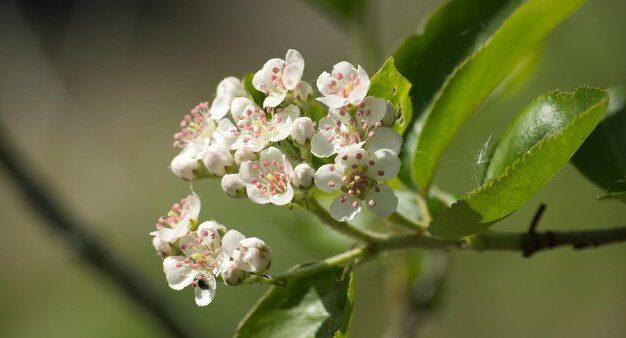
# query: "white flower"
{"points": [[351, 128], [227, 90], [303, 175], [278, 76], [232, 185], [357, 174], [250, 254], [199, 131], [254, 129], [346, 85], [178, 220], [302, 130], [216, 158], [267, 180], [201, 260]]}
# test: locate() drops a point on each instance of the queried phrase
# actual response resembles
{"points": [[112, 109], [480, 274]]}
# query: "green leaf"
{"points": [[602, 158], [390, 85], [473, 80], [318, 306], [257, 96], [532, 150], [451, 34]]}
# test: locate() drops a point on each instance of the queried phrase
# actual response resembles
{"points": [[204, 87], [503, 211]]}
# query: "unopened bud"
{"points": [[303, 90], [232, 186], [243, 155], [302, 130], [186, 163], [253, 255], [162, 247], [303, 175], [217, 158], [231, 273]]}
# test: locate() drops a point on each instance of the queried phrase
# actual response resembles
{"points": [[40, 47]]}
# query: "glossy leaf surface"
{"points": [[532, 150], [318, 306], [472, 81]]}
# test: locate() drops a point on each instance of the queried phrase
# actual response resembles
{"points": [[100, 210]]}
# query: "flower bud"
{"points": [[252, 255], [303, 175], [232, 185], [303, 90], [217, 158], [302, 130], [231, 273], [243, 155], [186, 163], [162, 247]]}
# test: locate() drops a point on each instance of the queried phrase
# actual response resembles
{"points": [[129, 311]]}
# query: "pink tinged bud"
{"points": [[302, 130], [302, 176], [231, 273]]}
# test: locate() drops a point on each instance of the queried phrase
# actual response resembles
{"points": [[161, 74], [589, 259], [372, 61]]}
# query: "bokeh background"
{"points": [[91, 92]]}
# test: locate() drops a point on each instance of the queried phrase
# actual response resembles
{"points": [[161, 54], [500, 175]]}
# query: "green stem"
{"points": [[402, 221], [526, 243], [343, 227]]}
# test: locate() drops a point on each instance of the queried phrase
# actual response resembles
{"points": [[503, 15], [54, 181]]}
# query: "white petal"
{"points": [[262, 80], [238, 106], [357, 94], [274, 99], [184, 165], [257, 195], [205, 297], [320, 146], [177, 277], [381, 200], [383, 165], [292, 75], [322, 82], [283, 198], [291, 111], [343, 208], [209, 231], [231, 240], [333, 101], [224, 133], [270, 154], [193, 206], [283, 128], [274, 63], [374, 109], [220, 107], [353, 158], [344, 68], [385, 138], [294, 57], [171, 235], [328, 178], [365, 79], [230, 86]]}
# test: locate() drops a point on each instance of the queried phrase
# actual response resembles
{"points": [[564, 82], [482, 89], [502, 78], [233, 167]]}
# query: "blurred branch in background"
{"points": [[86, 245], [416, 285]]}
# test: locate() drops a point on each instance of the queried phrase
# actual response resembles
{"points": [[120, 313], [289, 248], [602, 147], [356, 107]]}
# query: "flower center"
{"points": [[254, 125], [194, 126], [271, 177]]}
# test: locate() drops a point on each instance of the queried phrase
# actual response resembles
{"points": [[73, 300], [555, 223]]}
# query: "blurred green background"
{"points": [[91, 92]]}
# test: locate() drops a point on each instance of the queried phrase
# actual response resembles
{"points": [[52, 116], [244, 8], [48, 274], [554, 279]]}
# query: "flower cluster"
{"points": [[267, 140], [196, 254], [264, 148]]}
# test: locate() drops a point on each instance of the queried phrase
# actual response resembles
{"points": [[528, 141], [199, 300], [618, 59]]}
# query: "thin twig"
{"points": [[86, 245]]}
